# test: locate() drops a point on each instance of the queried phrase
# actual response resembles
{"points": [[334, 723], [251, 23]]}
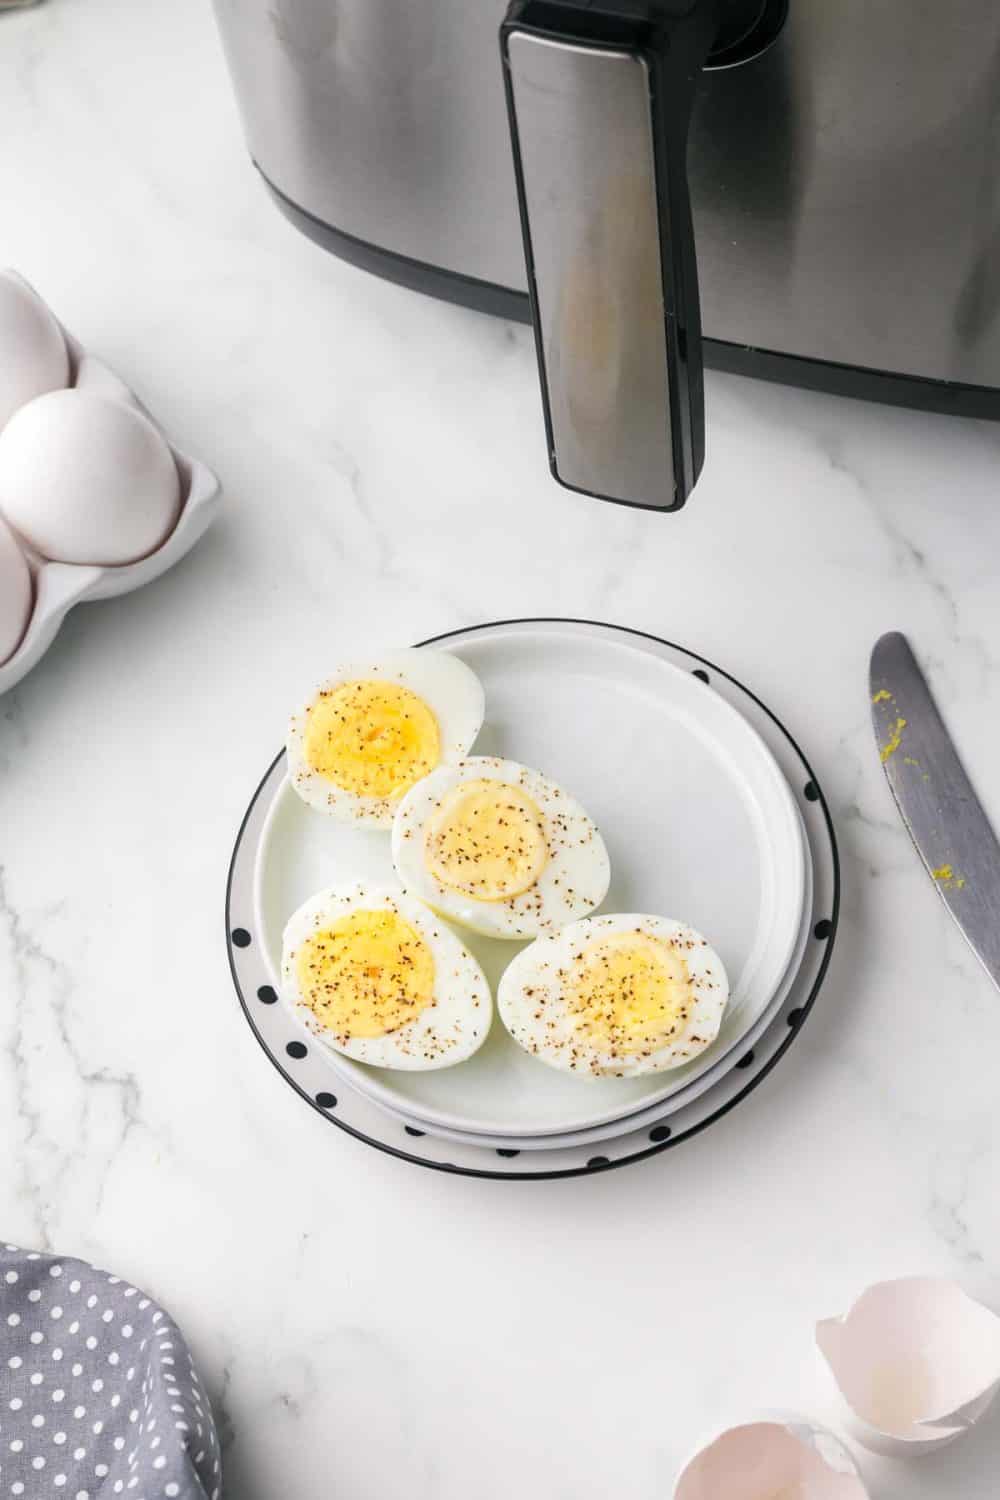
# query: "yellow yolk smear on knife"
{"points": [[367, 975], [375, 739], [487, 840], [629, 993]]}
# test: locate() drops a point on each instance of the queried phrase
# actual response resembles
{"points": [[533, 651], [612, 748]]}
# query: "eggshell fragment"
{"points": [[15, 593], [772, 1460], [87, 479], [917, 1363], [33, 354]]}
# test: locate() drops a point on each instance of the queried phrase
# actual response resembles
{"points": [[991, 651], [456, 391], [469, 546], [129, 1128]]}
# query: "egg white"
{"points": [[452, 692], [573, 881], [532, 1007], [448, 1031]]}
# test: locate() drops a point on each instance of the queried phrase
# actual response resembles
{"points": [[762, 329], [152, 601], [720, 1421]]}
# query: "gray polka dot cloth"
{"points": [[98, 1393]]}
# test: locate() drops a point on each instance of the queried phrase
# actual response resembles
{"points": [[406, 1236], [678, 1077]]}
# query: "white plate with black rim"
{"points": [[700, 824], [617, 725]]}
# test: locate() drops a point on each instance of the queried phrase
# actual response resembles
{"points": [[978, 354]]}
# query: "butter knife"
{"points": [[936, 799]]}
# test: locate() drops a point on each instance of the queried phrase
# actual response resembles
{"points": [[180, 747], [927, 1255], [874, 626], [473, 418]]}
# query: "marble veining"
{"points": [[364, 1328]]}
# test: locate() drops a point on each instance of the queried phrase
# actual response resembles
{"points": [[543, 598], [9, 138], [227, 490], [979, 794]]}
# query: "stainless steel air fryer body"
{"points": [[845, 184]]}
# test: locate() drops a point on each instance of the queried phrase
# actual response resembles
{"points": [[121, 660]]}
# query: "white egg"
{"points": [[375, 727], [86, 479], [615, 996], [380, 978], [15, 593], [33, 354], [499, 848]]}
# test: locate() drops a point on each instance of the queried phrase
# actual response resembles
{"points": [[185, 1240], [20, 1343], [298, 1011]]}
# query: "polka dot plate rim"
{"points": [[309, 1075]]}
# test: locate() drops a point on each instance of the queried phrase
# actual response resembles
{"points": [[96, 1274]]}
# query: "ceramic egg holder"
{"points": [[57, 585]]}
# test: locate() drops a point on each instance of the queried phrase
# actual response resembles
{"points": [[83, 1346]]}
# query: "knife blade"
{"points": [[935, 797]]}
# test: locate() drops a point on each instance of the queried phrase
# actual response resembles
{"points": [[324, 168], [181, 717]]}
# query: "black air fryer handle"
{"points": [[599, 98]]}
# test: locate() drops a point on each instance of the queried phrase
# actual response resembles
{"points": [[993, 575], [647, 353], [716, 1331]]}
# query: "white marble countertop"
{"points": [[367, 1328]]}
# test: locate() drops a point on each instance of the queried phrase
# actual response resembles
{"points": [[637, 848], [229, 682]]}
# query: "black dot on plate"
{"points": [[811, 791], [745, 1062], [660, 1133], [412, 1130], [701, 674], [297, 1049], [507, 1151], [795, 1016], [267, 995], [326, 1101], [598, 1161], [240, 937], [823, 929]]}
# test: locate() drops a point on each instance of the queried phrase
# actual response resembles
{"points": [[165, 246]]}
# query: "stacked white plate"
{"points": [[710, 814]]}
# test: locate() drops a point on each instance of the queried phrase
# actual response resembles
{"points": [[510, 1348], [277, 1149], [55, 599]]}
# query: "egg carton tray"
{"points": [[58, 586]]}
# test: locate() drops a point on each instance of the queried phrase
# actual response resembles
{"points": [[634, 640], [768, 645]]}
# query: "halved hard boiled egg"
{"points": [[615, 996], [375, 728], [380, 978], [499, 848]]}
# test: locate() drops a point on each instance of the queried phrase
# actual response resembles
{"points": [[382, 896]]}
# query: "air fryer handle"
{"points": [[599, 96]]}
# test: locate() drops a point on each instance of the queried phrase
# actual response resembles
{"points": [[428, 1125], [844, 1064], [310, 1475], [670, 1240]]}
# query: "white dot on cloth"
{"points": [[79, 1411], [34, 1295], [171, 1489], [114, 1357], [58, 1395], [55, 1312], [91, 1342], [17, 1488], [13, 1319], [97, 1428], [55, 1270], [38, 1420], [10, 1278], [127, 1330], [57, 1354], [159, 1462], [91, 1300], [74, 1286], [37, 1378], [15, 1362], [81, 1495], [16, 1445], [79, 1453], [59, 1480], [107, 1315], [38, 1462], [119, 1443], [37, 1337], [97, 1385], [100, 1470], [58, 1437], [16, 1403], [77, 1369]]}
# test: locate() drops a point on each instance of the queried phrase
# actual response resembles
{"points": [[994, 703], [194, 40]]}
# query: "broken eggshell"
{"points": [[772, 1456], [917, 1363]]}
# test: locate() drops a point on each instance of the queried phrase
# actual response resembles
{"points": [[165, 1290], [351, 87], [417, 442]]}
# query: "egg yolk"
{"points": [[371, 738], [366, 975], [487, 840], [629, 993]]}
